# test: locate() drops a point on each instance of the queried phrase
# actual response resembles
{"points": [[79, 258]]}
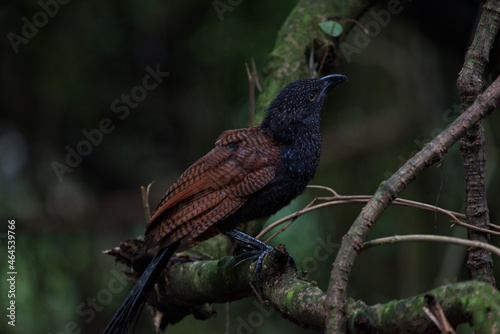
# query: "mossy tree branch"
{"points": [[480, 308], [191, 285]]}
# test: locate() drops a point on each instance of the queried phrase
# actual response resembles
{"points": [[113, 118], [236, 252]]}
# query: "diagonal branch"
{"points": [[472, 145], [388, 191]]}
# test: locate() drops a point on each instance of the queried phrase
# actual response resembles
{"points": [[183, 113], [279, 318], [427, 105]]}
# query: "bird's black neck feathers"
{"points": [[293, 120]]}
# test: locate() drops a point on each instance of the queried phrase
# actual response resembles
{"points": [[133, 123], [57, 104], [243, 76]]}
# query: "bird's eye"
{"points": [[312, 96]]}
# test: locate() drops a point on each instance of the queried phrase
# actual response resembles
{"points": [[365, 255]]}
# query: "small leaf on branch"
{"points": [[331, 28]]}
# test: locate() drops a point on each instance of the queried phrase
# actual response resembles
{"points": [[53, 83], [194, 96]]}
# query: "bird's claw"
{"points": [[251, 253], [254, 249], [258, 263], [245, 256]]}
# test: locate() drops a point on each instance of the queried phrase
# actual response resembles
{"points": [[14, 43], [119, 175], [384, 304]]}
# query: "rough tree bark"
{"points": [[472, 145]]}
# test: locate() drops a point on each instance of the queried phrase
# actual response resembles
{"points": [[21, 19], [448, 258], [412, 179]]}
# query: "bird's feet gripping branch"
{"points": [[250, 174], [254, 249]]}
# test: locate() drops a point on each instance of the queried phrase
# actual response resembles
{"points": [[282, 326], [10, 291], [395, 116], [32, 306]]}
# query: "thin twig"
{"points": [[436, 314], [337, 199], [263, 232], [441, 317], [145, 201], [256, 76], [496, 227], [251, 83], [355, 22], [323, 59], [317, 186], [432, 238], [258, 294], [433, 318], [312, 68]]}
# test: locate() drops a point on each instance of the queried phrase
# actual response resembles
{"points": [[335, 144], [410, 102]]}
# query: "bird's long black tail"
{"points": [[122, 319]]}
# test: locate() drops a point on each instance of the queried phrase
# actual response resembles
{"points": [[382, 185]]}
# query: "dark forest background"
{"points": [[64, 80]]}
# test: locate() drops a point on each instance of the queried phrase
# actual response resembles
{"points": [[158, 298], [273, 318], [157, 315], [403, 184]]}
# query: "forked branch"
{"points": [[388, 191]]}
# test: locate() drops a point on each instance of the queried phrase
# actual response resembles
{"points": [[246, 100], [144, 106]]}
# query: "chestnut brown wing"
{"points": [[242, 162]]}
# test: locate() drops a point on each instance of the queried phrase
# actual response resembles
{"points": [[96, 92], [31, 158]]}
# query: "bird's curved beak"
{"points": [[331, 81]]}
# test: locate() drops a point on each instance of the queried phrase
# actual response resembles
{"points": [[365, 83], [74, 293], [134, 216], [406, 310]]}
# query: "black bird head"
{"points": [[299, 103]]}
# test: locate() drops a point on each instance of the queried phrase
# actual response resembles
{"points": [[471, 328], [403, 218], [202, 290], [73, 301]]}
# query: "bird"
{"points": [[250, 174]]}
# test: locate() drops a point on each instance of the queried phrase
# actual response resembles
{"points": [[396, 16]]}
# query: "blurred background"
{"points": [[73, 77]]}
